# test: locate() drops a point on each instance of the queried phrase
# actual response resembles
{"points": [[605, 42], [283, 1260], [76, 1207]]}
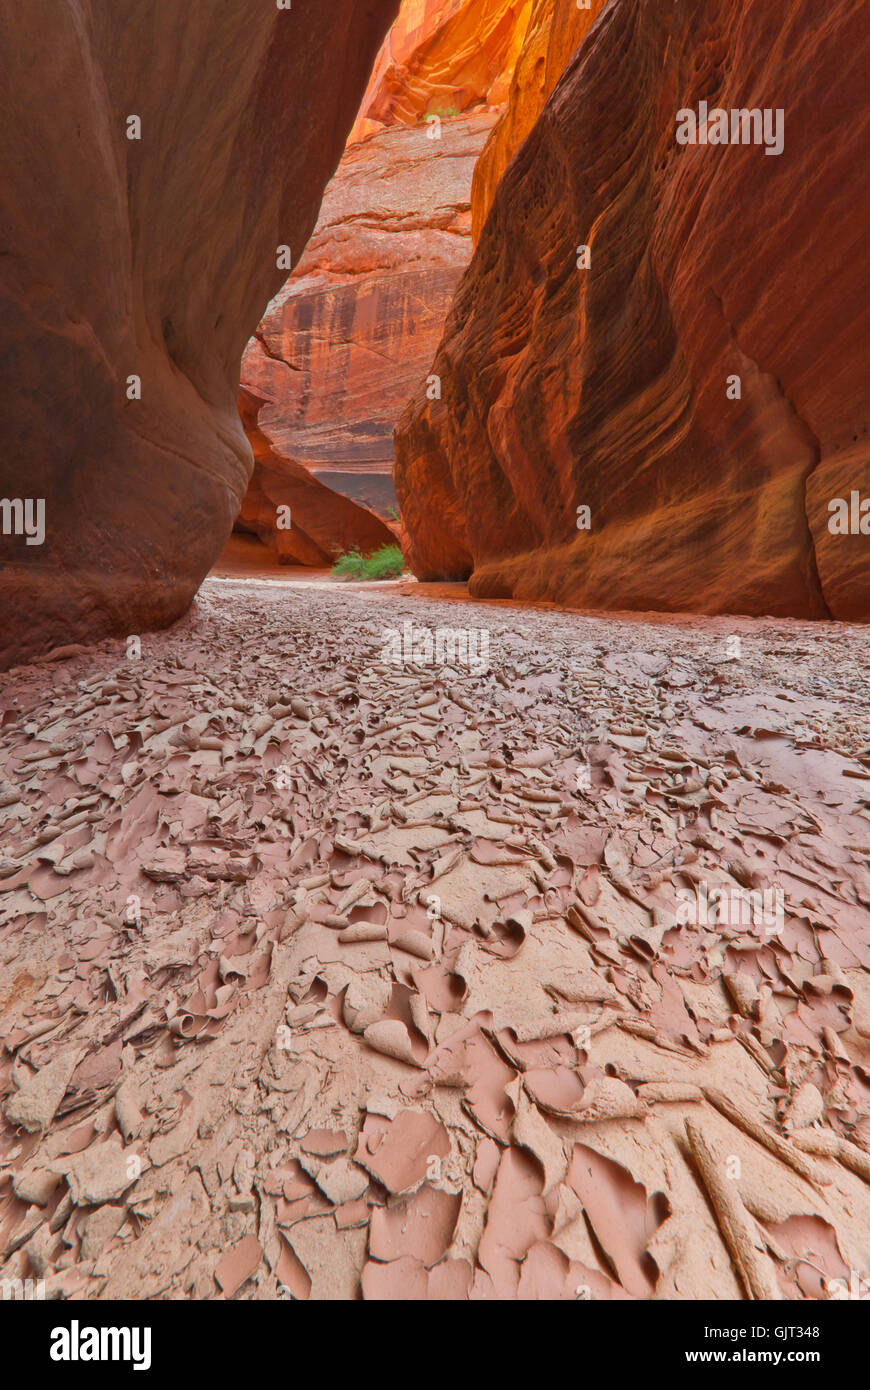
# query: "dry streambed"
{"points": [[323, 976]]}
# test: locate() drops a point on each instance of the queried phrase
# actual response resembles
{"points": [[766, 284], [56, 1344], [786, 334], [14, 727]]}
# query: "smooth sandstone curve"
{"points": [[607, 388], [151, 258]]}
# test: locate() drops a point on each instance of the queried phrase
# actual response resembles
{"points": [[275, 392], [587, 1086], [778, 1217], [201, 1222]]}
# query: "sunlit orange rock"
{"points": [[554, 30], [443, 56], [149, 258], [352, 333], [350, 336], [613, 388]]}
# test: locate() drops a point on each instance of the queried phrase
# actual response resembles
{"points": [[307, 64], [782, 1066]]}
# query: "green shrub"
{"points": [[385, 563], [349, 565]]}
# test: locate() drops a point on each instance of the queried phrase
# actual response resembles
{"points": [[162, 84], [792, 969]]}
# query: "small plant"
{"points": [[386, 563], [349, 565]]}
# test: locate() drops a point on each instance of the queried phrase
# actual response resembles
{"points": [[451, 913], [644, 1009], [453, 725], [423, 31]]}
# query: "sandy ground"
{"points": [[246, 557], [329, 975]]}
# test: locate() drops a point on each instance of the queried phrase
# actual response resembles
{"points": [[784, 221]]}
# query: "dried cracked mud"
{"points": [[323, 977]]}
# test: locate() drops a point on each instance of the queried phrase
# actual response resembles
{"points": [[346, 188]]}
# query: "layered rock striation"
{"points": [[303, 521], [352, 332], [695, 378]]}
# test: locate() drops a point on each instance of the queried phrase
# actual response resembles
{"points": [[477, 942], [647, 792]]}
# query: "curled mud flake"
{"points": [[38, 1097], [622, 1216], [606, 1098], [668, 1092], [829, 1145], [407, 1279], [778, 1146], [516, 1219], [531, 1131], [366, 1000], [507, 937], [743, 991], [416, 943], [362, 931], [236, 1267], [391, 1037], [805, 1107], [400, 1152], [421, 1226], [583, 987], [809, 1261]]}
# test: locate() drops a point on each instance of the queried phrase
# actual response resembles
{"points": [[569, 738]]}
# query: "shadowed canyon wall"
{"points": [[292, 512], [564, 387], [149, 258]]}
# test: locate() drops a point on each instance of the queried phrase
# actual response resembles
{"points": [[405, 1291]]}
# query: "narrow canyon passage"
{"points": [[325, 975], [497, 929]]}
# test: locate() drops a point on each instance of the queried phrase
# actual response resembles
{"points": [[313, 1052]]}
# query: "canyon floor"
{"points": [[326, 977]]}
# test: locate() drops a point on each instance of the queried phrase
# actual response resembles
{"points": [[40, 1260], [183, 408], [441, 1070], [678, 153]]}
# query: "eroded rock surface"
{"points": [[151, 258], [443, 57], [321, 973], [351, 334], [301, 520], [554, 30], [607, 388]]}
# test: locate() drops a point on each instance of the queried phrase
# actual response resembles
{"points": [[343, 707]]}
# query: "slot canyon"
{"points": [[434, 729]]}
